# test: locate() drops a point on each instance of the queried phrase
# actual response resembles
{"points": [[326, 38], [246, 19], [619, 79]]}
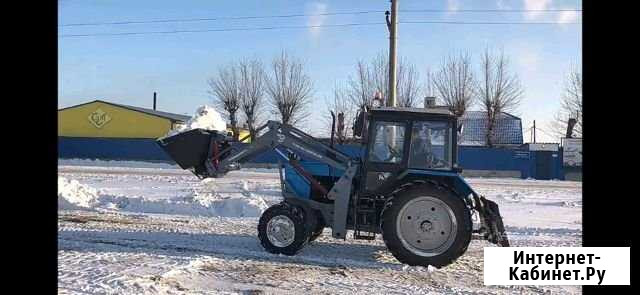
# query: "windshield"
{"points": [[430, 145]]}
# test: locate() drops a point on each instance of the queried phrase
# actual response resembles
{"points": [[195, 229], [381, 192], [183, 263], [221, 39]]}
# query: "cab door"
{"points": [[386, 154]]}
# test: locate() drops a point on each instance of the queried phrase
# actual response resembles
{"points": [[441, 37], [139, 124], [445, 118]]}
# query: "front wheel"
{"points": [[426, 225], [281, 229]]}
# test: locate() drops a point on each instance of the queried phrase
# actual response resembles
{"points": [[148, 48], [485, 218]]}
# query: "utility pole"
{"points": [[534, 131], [392, 25]]}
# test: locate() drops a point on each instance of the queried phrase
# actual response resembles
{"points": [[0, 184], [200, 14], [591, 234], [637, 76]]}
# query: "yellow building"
{"points": [[109, 120], [101, 119]]}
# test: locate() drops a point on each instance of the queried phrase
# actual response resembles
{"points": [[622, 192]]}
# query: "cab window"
{"points": [[388, 142], [430, 145]]}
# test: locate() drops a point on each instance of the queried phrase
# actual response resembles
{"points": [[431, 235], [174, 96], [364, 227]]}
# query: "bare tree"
{"points": [[360, 89], [571, 106], [454, 81], [408, 85], [225, 88], [289, 89], [373, 77], [379, 67], [499, 90], [344, 111], [252, 92]]}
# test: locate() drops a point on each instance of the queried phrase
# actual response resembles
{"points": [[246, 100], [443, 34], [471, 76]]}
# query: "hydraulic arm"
{"points": [[278, 137]]}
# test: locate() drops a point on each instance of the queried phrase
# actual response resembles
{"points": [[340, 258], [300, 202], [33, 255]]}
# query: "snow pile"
{"points": [[206, 117], [75, 196], [194, 205]]}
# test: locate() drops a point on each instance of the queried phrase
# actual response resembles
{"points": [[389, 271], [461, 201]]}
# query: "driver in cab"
{"points": [[382, 148], [423, 155]]}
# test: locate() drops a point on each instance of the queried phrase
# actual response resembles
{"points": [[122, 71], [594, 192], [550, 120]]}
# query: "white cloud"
{"points": [[536, 5], [567, 17], [453, 5], [527, 59], [502, 5], [315, 20], [557, 17]]}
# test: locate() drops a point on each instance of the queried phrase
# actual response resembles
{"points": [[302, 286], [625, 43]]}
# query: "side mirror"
{"points": [[456, 168]]}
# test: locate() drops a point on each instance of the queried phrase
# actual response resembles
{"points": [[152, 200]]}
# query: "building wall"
{"points": [[109, 121], [111, 149]]}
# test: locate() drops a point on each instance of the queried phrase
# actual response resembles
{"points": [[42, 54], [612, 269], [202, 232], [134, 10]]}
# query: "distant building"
{"points": [[507, 132], [102, 119], [105, 119], [105, 130]]}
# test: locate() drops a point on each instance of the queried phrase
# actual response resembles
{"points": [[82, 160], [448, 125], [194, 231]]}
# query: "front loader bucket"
{"points": [[191, 149], [497, 233]]}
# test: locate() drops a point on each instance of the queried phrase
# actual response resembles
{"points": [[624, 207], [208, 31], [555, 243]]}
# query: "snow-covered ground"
{"points": [[138, 228]]}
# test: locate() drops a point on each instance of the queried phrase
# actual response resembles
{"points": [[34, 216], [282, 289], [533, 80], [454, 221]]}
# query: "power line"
{"points": [[221, 30], [310, 27], [129, 22], [486, 23], [216, 18], [491, 10]]}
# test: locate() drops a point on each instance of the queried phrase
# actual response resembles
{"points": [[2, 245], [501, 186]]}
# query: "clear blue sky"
{"points": [[128, 69]]}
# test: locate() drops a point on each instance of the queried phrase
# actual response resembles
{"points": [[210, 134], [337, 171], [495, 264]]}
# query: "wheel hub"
{"points": [[426, 226], [280, 231]]}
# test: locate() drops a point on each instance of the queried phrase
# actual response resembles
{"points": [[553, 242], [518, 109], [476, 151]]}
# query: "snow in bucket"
{"points": [[206, 117]]}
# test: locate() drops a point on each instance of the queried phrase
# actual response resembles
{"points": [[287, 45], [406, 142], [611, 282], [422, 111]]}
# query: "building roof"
{"points": [[170, 116], [508, 130]]}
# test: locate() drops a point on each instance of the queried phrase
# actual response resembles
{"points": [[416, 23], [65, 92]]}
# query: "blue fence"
{"points": [[534, 164], [110, 148]]}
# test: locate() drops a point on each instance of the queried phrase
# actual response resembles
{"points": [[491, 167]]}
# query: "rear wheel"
{"points": [[281, 229], [426, 225]]}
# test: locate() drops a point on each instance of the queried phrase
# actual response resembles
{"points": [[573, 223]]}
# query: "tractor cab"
{"points": [[402, 139]]}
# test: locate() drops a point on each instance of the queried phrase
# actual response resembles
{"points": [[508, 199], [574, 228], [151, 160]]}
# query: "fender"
{"points": [[449, 179]]}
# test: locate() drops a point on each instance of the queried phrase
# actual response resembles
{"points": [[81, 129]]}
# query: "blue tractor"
{"points": [[403, 183]]}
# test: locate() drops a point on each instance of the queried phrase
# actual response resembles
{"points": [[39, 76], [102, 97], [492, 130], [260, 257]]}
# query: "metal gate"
{"points": [[544, 165]]}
